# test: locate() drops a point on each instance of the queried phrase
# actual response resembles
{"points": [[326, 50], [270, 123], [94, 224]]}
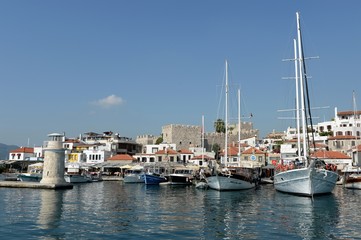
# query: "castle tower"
{"points": [[54, 160]]}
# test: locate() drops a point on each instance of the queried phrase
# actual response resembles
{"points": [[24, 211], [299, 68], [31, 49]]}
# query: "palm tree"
{"points": [[219, 126]]}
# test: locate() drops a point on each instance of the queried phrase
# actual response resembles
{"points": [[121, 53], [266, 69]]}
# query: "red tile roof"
{"points": [[253, 150], [185, 151], [200, 157], [121, 157], [343, 137], [347, 113], [232, 151], [168, 151], [330, 155], [23, 150]]}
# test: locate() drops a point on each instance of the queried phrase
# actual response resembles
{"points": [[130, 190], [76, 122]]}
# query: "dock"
{"points": [[36, 185]]}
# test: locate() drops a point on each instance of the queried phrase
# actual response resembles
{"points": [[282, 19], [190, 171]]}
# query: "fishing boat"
{"points": [[134, 175], [30, 177], [152, 178], [183, 175], [34, 173], [353, 181], [352, 177], [77, 178], [154, 175], [226, 179], [304, 175], [75, 174]]}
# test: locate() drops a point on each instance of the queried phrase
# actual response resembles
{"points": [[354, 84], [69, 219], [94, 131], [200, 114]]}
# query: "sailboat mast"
{"points": [[226, 119], [354, 115], [202, 138], [297, 101], [239, 127], [302, 83]]}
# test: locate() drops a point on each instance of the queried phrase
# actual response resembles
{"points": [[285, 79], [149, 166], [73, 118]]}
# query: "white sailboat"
{"points": [[229, 179], [310, 177]]}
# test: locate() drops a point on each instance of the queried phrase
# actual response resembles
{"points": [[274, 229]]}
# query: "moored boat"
{"points": [[232, 179], [77, 178], [34, 174], [134, 175], [154, 178], [304, 176], [30, 177], [227, 179], [353, 181], [182, 175]]}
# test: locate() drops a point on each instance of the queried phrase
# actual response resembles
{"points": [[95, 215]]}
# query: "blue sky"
{"points": [[133, 66]]}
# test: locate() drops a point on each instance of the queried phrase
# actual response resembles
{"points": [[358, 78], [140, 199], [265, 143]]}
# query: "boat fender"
{"points": [[334, 168], [327, 166]]}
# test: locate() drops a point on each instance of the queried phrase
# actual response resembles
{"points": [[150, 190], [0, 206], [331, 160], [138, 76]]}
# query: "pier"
{"points": [[36, 185]]}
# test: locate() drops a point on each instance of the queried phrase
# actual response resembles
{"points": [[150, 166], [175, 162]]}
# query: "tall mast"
{"points": [[202, 138], [354, 114], [302, 84], [226, 119], [239, 127], [297, 101]]}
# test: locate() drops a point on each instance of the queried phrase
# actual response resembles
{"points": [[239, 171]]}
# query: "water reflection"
{"points": [[108, 210], [307, 218], [50, 209]]}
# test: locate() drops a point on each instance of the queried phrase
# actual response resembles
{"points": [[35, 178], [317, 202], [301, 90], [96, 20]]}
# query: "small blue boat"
{"points": [[153, 178]]}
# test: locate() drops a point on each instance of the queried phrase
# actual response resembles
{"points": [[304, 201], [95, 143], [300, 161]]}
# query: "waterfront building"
{"points": [[166, 155], [355, 153], [343, 143], [185, 155], [253, 158], [112, 142], [22, 153], [334, 157], [233, 159], [153, 148], [201, 160]]}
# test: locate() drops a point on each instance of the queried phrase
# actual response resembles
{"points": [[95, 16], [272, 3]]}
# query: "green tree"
{"points": [[159, 140], [216, 148], [220, 126]]}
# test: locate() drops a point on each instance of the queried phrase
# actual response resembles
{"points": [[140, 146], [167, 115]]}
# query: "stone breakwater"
{"points": [[16, 184]]}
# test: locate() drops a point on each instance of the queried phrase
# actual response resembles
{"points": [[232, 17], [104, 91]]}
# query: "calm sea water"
{"points": [[114, 210]]}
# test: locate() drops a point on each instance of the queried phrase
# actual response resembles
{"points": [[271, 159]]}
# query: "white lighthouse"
{"points": [[54, 160]]}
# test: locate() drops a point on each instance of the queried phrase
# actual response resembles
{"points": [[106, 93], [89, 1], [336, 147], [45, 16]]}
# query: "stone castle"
{"points": [[186, 136]]}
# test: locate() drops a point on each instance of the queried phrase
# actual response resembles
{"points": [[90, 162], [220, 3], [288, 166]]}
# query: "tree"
{"points": [[215, 149], [159, 140], [219, 126]]}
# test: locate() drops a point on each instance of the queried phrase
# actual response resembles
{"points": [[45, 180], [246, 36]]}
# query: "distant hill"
{"points": [[5, 149]]}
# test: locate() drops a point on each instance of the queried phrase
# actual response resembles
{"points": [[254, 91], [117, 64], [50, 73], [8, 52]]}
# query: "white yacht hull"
{"points": [[228, 183], [306, 181]]}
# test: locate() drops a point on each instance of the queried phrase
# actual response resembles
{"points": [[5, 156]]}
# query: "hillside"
{"points": [[5, 149]]}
